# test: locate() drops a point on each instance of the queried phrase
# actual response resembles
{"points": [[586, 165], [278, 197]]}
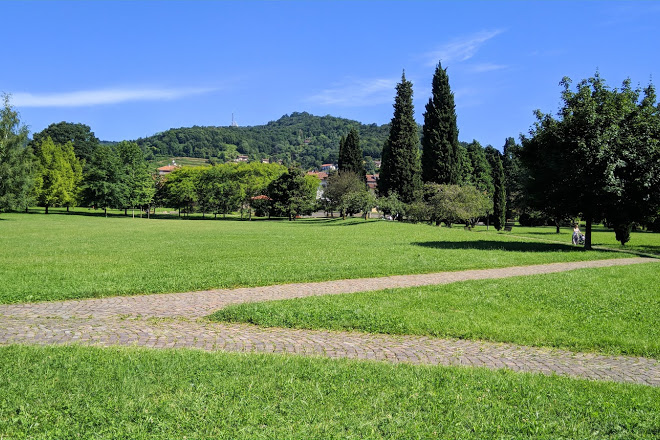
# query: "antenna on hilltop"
{"points": [[233, 122]]}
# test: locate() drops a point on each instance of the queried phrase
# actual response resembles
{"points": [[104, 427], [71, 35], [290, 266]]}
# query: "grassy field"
{"points": [[183, 161], [641, 241], [78, 392], [57, 256], [613, 310]]}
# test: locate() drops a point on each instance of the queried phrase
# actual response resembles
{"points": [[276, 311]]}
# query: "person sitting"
{"points": [[577, 235]]}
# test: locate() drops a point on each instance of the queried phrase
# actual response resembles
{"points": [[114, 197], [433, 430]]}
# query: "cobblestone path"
{"points": [[175, 320]]}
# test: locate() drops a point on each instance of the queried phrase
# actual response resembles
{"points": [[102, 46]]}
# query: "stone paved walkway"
{"points": [[174, 320]]}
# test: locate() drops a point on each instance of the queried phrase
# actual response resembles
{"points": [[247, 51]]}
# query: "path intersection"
{"points": [[176, 321]]}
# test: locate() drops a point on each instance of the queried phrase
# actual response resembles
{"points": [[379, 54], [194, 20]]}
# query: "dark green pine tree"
{"points": [[350, 154], [499, 187], [400, 170], [440, 156]]}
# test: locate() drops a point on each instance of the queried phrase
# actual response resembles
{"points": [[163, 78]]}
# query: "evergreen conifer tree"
{"points": [[499, 185], [350, 154], [441, 162], [400, 170]]}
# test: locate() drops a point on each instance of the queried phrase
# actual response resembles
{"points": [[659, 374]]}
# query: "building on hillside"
{"points": [[167, 169], [265, 160], [323, 182], [377, 163], [372, 182], [242, 158], [328, 167]]}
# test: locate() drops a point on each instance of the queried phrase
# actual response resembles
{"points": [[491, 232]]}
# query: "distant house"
{"points": [[265, 160], [167, 169], [323, 178], [377, 163], [328, 167], [372, 181], [242, 158]]}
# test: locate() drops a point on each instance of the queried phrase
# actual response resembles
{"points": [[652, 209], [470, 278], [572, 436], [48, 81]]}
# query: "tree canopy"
{"points": [[599, 158], [15, 160], [441, 161], [79, 135], [400, 169]]}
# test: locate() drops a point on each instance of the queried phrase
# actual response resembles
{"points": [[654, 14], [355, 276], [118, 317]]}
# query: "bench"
{"points": [[508, 226]]}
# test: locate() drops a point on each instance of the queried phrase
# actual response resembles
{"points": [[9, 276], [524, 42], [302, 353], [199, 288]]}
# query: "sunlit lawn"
{"points": [[92, 393], [613, 310], [57, 256]]}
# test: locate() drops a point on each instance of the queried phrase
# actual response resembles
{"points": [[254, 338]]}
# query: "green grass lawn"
{"points": [[615, 310], [641, 241], [58, 256], [93, 393]]}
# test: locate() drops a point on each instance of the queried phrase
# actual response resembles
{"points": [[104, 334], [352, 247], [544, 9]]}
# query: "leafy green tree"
{"points": [[339, 187], [15, 160], [292, 195], [254, 178], [139, 181], [441, 162], [104, 182], [480, 176], [350, 155], [600, 158], [58, 174], [499, 187], [400, 168], [391, 206], [457, 204], [180, 189], [80, 135]]}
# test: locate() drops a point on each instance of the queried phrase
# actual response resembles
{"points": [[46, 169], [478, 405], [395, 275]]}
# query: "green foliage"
{"points": [[15, 160], [456, 204], [441, 162], [200, 255], [514, 178], [600, 159], [138, 179], [297, 138], [293, 194], [58, 174], [612, 310], [499, 187], [79, 135], [111, 393], [351, 158], [180, 188], [480, 175], [338, 193], [400, 169], [104, 184]]}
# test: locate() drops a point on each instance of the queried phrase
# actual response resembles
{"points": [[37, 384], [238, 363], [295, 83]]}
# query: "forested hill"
{"points": [[297, 138]]}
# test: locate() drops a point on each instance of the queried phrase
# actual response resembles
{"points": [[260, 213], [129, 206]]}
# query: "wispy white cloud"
{"points": [[357, 93], [86, 98], [486, 67], [460, 49]]}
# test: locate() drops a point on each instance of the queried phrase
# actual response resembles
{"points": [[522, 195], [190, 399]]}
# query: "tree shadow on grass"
{"points": [[491, 245]]}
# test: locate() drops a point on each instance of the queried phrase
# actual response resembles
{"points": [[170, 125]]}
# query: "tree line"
{"points": [[598, 159]]}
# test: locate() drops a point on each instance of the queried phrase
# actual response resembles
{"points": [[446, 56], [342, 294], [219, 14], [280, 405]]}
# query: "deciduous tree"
{"points": [[15, 160]]}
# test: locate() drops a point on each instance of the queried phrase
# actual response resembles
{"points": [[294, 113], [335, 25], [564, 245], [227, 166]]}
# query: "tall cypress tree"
{"points": [[350, 154], [400, 170], [499, 193], [441, 162]]}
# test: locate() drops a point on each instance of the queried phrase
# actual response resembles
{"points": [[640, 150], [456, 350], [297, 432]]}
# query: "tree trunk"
{"points": [[126, 212], [587, 233], [105, 211], [46, 209], [133, 212], [557, 225], [67, 208]]}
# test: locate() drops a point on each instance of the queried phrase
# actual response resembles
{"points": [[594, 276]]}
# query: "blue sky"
{"points": [[131, 69]]}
